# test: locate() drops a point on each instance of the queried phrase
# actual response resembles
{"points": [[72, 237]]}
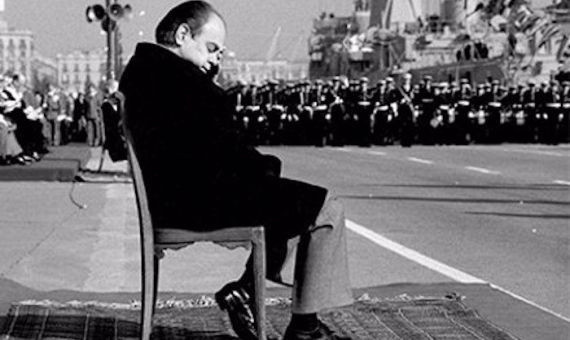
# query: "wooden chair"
{"points": [[154, 241]]}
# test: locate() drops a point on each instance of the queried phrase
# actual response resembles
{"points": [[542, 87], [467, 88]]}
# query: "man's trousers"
{"points": [[94, 133], [321, 278]]}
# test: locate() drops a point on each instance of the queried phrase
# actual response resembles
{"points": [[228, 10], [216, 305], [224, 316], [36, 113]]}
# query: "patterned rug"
{"points": [[372, 319]]}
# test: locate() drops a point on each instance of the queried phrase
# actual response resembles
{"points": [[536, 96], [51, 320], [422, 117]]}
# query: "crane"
{"points": [[271, 51]]}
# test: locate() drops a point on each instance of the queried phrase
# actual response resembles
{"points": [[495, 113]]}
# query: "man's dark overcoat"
{"points": [[198, 173]]}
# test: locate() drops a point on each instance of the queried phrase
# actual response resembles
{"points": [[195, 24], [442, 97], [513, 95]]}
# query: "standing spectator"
{"points": [[55, 107], [80, 108], [93, 117], [40, 99], [66, 117]]}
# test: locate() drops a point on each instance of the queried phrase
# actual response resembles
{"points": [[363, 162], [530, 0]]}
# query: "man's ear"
{"points": [[182, 32]]}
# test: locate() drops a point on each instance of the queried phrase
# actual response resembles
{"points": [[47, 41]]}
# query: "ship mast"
{"points": [[381, 12]]}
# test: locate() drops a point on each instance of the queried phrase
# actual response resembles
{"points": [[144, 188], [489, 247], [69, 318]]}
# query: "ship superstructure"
{"points": [[447, 39]]}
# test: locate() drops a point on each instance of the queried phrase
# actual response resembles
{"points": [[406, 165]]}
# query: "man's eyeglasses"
{"points": [[214, 48]]}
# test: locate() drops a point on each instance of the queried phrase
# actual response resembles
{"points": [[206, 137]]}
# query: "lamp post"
{"points": [[109, 15]]}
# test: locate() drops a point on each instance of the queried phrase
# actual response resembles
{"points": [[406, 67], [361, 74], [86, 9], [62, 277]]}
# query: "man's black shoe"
{"points": [[18, 160], [25, 157], [319, 333], [36, 156], [234, 299]]}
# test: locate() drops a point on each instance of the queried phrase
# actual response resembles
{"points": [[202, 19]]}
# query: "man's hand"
{"points": [[213, 71]]}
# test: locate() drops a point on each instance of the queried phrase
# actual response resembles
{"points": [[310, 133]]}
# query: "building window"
{"points": [[23, 49], [11, 48]]}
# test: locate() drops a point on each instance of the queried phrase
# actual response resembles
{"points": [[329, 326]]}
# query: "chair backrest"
{"points": [[145, 221]]}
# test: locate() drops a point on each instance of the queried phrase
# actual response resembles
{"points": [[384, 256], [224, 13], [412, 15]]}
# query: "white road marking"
{"points": [[377, 153], [413, 255], [343, 149], [527, 301], [561, 182], [538, 152], [435, 265], [482, 170], [419, 160]]}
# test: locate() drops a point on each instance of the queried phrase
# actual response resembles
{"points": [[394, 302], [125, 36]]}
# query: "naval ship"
{"points": [[445, 39]]}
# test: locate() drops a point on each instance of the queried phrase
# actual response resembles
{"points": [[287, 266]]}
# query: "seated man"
{"points": [[199, 174]]}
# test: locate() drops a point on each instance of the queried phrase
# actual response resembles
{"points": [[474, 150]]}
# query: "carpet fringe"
{"points": [[172, 303], [205, 301]]}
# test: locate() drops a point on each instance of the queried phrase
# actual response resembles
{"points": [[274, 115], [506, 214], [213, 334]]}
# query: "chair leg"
{"points": [[149, 288], [155, 284], [259, 281]]}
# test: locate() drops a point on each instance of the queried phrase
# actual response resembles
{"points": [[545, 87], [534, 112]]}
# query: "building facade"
{"points": [[16, 50], [79, 69]]}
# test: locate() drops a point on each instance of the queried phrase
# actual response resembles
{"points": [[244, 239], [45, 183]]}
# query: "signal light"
{"points": [[95, 13], [116, 11]]}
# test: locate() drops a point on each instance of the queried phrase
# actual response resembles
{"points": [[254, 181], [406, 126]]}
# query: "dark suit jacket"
{"points": [[198, 172]]}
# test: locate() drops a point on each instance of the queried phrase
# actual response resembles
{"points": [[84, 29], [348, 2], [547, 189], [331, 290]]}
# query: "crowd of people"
{"points": [[333, 112], [341, 112], [31, 121]]}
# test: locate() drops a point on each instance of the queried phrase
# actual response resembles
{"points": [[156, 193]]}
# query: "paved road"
{"points": [[495, 213]]}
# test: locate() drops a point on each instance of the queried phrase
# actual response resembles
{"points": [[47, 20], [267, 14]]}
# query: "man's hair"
{"points": [[193, 13]]}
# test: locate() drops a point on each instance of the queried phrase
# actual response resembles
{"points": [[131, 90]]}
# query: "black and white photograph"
{"points": [[285, 169]]}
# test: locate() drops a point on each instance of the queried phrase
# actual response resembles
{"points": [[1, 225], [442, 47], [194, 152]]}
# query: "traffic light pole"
{"points": [[109, 15], [110, 45]]}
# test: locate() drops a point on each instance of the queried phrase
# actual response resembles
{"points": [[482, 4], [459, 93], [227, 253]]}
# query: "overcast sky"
{"points": [[59, 26]]}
